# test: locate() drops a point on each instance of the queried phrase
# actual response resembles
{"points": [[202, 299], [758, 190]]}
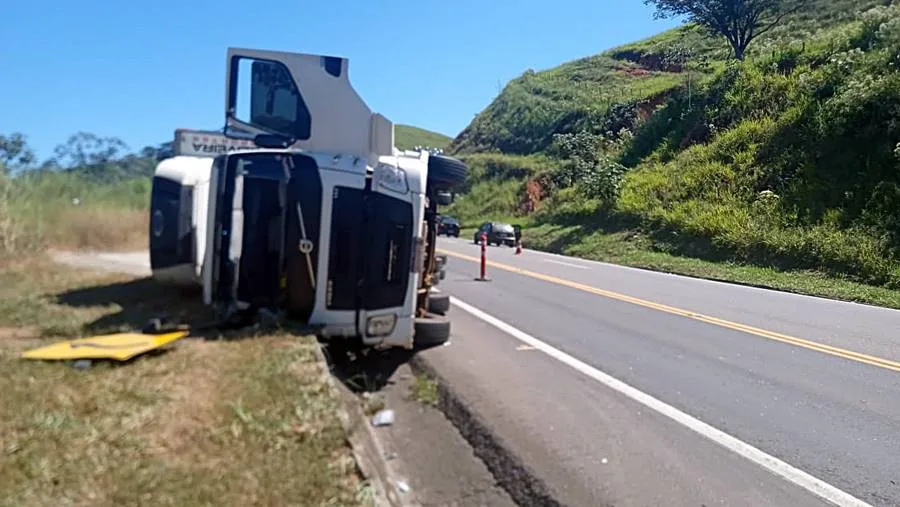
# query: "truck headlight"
{"points": [[381, 325], [391, 178]]}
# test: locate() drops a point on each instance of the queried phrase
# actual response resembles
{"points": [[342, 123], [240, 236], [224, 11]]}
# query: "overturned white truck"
{"points": [[305, 207]]}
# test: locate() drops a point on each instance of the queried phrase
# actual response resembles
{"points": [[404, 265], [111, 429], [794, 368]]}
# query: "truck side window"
{"points": [[266, 96]]}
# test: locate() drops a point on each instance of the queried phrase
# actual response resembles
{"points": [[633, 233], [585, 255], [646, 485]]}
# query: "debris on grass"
{"points": [[120, 346]]}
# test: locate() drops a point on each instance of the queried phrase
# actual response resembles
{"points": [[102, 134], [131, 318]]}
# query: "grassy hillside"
{"points": [[783, 170], [603, 92], [407, 137]]}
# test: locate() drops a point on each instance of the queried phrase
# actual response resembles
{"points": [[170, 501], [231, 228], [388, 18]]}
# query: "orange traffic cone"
{"points": [[518, 248]]}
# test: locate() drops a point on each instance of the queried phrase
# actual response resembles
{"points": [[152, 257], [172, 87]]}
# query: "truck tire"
{"points": [[431, 330], [445, 172], [438, 303]]}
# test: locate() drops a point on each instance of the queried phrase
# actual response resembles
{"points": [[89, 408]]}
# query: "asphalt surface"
{"points": [[833, 415]]}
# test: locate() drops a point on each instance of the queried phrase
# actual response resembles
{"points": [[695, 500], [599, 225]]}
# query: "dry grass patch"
{"points": [[101, 229], [224, 423], [243, 422]]}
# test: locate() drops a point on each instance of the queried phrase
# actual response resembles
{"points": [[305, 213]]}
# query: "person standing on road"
{"points": [[517, 231]]}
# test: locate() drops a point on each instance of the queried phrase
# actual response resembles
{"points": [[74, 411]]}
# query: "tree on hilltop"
{"points": [[739, 21], [14, 152]]}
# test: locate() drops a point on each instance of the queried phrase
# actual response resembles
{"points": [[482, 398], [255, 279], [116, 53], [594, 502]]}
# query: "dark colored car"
{"points": [[448, 226], [498, 233]]}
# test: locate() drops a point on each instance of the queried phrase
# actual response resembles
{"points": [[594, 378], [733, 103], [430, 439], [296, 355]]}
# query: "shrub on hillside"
{"points": [[496, 185], [589, 164]]}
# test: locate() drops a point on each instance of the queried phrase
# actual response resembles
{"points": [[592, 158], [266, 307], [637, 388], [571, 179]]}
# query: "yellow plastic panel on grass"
{"points": [[120, 347]]}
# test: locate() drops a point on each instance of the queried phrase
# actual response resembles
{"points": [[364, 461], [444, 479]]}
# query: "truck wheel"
{"points": [[431, 330], [438, 303], [445, 172]]}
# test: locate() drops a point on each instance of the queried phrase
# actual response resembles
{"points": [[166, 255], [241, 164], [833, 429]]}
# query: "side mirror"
{"points": [[444, 198]]}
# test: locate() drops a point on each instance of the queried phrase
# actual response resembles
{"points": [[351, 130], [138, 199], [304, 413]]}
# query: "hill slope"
{"points": [[407, 137], [789, 160], [594, 92]]}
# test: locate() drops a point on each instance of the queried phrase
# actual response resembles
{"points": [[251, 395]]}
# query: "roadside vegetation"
{"points": [[234, 421], [425, 390], [782, 170], [91, 194]]}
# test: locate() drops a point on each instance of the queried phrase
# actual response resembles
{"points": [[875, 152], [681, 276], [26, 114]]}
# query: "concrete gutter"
{"points": [[367, 450]]}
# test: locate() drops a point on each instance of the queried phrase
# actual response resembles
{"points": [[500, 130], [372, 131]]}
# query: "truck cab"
{"points": [[314, 213], [179, 204]]}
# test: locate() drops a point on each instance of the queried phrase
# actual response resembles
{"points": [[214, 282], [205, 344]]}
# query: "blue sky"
{"points": [[139, 70]]}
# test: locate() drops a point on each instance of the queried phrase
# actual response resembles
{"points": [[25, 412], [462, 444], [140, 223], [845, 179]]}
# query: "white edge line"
{"points": [[772, 464], [565, 263]]}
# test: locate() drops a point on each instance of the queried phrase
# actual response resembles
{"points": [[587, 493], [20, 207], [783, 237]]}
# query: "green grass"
{"points": [[58, 209], [407, 137], [225, 422], [497, 188], [425, 390], [599, 92], [781, 171]]}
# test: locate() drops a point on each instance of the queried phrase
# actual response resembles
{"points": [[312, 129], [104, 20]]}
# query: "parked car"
{"points": [[448, 226], [498, 233]]}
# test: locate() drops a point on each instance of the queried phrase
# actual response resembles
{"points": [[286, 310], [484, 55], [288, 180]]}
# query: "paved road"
{"points": [[814, 383]]}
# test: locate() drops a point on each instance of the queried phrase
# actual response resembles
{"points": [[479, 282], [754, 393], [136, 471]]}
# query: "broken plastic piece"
{"points": [[383, 418], [403, 487], [120, 347]]}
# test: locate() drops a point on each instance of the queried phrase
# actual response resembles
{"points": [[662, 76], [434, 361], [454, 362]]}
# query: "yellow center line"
{"points": [[771, 335]]}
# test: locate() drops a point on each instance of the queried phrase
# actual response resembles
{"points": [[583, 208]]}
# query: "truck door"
{"points": [[307, 99]]}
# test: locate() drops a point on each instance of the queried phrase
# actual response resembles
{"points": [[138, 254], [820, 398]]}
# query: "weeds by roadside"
{"points": [[233, 422], [425, 390], [67, 211], [226, 423]]}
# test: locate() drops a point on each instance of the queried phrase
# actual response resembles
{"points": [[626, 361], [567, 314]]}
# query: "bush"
{"points": [[589, 164]]}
